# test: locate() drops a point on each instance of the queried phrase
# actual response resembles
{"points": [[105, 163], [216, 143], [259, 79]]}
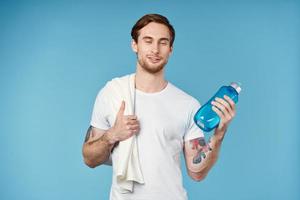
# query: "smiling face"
{"points": [[153, 47]]}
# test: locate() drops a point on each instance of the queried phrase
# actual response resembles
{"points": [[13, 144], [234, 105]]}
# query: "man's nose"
{"points": [[155, 48]]}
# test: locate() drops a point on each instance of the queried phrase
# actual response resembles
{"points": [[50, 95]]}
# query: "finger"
{"points": [[122, 109], [221, 107], [133, 132], [219, 113], [230, 101], [134, 127], [131, 122], [132, 117], [226, 105], [232, 105]]}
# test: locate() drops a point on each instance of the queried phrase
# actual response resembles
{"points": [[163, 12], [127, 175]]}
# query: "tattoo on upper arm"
{"points": [[88, 134], [202, 148]]}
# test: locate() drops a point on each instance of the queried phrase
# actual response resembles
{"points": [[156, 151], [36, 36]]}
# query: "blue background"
{"points": [[56, 55]]}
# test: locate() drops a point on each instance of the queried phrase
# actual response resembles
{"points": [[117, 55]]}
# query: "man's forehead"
{"points": [[155, 30]]}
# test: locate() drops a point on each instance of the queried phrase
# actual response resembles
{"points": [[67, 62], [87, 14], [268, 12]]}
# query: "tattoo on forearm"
{"points": [[100, 145], [88, 134], [202, 149], [101, 139]]}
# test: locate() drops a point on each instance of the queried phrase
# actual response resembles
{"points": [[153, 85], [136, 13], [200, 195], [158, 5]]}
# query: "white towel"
{"points": [[126, 165]]}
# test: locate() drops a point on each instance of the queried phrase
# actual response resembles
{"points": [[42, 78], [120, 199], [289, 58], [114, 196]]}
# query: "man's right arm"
{"points": [[97, 146], [99, 143]]}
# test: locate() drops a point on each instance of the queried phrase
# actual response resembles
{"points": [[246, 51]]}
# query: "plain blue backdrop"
{"points": [[56, 55]]}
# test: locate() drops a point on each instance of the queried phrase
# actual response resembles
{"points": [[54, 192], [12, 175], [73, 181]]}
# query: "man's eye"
{"points": [[148, 41], [163, 43]]}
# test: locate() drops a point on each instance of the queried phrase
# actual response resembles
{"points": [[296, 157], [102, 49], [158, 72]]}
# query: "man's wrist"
{"points": [[220, 134], [216, 141], [110, 137]]}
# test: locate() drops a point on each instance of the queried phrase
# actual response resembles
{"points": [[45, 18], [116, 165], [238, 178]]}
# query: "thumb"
{"points": [[122, 109]]}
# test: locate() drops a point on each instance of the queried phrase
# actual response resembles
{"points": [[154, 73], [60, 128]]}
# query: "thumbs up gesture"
{"points": [[125, 125]]}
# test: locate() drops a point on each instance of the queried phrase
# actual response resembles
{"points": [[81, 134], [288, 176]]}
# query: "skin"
{"points": [[153, 51], [99, 143], [198, 168]]}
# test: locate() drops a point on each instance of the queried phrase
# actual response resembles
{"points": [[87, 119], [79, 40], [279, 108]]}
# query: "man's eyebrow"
{"points": [[151, 38], [147, 38], [167, 39]]}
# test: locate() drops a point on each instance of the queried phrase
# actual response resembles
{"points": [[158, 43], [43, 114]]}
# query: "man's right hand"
{"points": [[125, 126]]}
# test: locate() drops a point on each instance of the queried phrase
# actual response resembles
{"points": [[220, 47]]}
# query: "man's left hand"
{"points": [[225, 108]]}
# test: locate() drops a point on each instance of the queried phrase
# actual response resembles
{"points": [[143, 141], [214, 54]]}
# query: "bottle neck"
{"points": [[236, 86]]}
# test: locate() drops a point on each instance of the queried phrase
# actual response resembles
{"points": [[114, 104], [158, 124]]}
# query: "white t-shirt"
{"points": [[166, 121]]}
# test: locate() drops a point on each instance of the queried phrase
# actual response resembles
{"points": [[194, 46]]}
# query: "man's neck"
{"points": [[149, 83]]}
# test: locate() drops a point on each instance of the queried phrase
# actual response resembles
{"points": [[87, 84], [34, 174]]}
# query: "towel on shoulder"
{"points": [[126, 163]]}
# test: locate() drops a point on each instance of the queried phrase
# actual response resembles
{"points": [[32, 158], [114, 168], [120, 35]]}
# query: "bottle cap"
{"points": [[236, 86]]}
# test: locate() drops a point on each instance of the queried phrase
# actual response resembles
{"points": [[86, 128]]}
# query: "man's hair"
{"points": [[146, 19]]}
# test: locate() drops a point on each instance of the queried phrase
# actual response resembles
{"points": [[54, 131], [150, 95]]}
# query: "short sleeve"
{"points": [[193, 131], [101, 111]]}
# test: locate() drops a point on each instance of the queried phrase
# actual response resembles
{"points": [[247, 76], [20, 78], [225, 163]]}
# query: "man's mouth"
{"points": [[154, 59]]}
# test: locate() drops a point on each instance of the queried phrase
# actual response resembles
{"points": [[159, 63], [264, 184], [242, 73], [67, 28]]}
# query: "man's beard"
{"points": [[149, 69]]}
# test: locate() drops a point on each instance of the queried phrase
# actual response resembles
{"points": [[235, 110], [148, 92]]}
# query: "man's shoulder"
{"points": [[181, 94], [121, 78], [115, 85], [116, 80]]}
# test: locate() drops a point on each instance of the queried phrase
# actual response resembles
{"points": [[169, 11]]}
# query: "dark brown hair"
{"points": [[146, 19]]}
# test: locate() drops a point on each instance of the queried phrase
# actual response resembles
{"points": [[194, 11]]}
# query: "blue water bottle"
{"points": [[206, 118]]}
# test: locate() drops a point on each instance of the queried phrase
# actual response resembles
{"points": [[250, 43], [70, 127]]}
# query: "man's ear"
{"points": [[171, 49], [134, 45]]}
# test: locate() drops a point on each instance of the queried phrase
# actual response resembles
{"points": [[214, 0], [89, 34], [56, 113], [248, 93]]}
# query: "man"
{"points": [[163, 121]]}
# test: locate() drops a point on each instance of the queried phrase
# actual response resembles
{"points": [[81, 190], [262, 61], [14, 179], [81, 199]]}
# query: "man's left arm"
{"points": [[201, 156]]}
